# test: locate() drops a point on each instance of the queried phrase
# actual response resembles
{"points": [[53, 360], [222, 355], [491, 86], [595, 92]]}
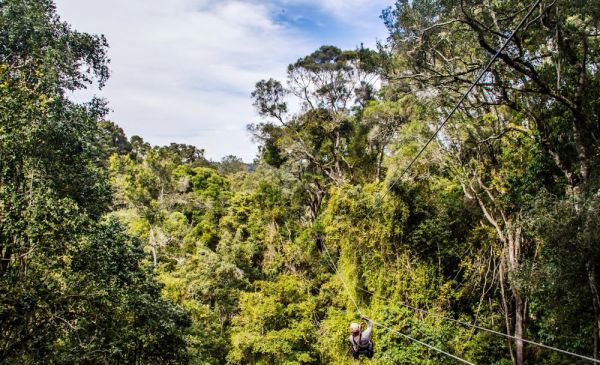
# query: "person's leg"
{"points": [[355, 354], [370, 351]]}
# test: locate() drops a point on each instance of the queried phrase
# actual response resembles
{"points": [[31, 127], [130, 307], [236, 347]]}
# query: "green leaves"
{"points": [[74, 289], [230, 262], [46, 52], [121, 298], [327, 137], [274, 324]]}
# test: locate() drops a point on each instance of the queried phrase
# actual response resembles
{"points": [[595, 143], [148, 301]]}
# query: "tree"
{"points": [[494, 172], [61, 264], [274, 325], [329, 83], [384, 119], [113, 139], [232, 164], [546, 77], [547, 72]]}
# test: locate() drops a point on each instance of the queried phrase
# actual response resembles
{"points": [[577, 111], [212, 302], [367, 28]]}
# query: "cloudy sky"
{"points": [[183, 70]]}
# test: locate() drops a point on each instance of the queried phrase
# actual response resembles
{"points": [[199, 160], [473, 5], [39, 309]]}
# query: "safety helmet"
{"points": [[354, 327]]}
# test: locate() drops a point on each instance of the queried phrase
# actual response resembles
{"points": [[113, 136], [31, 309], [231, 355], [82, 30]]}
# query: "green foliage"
{"points": [[122, 302], [275, 324], [569, 239], [113, 139], [116, 251], [232, 164], [74, 289]]}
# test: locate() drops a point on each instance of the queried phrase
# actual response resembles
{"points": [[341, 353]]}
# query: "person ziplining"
{"points": [[360, 341]]}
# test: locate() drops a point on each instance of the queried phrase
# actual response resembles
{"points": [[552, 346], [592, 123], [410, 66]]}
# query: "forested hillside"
{"points": [[114, 251]]}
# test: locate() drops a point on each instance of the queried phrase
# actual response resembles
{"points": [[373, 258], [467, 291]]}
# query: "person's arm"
{"points": [[366, 334], [352, 344]]}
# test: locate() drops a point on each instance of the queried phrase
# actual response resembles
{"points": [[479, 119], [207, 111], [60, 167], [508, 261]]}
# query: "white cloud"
{"points": [[183, 70]]}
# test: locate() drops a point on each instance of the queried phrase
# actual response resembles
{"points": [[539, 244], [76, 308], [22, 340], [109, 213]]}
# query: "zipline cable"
{"points": [[483, 328], [465, 95], [437, 131], [334, 266], [342, 279], [422, 343]]}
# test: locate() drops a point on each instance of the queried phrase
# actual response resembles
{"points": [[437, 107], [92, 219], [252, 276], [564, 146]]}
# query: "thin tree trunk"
{"points": [[511, 237], [596, 334], [515, 244], [506, 309], [596, 302], [153, 246], [6, 256], [520, 308], [379, 164]]}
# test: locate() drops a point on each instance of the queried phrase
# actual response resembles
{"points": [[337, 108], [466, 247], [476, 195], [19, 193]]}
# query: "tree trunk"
{"points": [[515, 245], [505, 308], [152, 240], [338, 168], [596, 302], [520, 309], [6, 256], [380, 163], [510, 234]]}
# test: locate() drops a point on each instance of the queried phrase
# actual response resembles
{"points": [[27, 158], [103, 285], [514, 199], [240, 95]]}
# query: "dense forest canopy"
{"points": [[116, 251]]}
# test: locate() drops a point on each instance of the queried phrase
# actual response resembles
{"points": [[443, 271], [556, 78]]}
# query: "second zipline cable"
{"points": [[334, 266]]}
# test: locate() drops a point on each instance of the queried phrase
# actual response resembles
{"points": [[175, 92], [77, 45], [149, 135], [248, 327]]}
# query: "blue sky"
{"points": [[183, 70]]}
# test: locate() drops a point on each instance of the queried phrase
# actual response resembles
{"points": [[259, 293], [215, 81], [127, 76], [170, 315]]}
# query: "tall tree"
{"points": [[547, 72], [546, 76], [329, 84], [73, 285]]}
